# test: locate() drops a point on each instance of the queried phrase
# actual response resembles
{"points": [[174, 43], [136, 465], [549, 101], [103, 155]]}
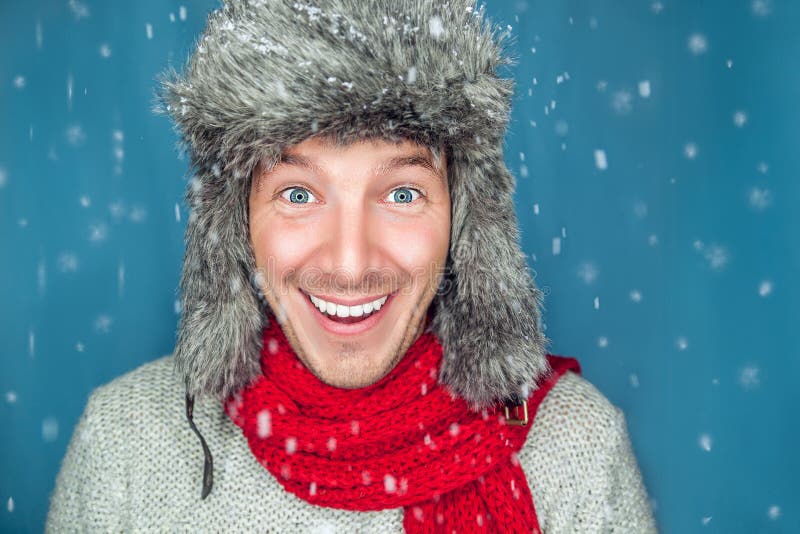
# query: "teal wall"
{"points": [[669, 272]]}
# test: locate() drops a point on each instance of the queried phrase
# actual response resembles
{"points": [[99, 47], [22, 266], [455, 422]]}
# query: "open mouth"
{"points": [[339, 319]]}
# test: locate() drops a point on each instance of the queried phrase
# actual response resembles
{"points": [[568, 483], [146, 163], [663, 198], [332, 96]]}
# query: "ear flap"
{"points": [[219, 334], [488, 305]]}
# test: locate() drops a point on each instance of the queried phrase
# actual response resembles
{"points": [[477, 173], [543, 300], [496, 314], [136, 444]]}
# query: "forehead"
{"points": [[384, 155]]}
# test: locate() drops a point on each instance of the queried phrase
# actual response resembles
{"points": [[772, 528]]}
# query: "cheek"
{"points": [[279, 246], [417, 245]]}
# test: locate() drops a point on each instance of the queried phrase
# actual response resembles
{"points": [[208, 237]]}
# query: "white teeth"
{"points": [[347, 311]]}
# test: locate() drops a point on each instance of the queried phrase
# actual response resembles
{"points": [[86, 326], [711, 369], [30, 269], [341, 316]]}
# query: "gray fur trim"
{"points": [[268, 74]]}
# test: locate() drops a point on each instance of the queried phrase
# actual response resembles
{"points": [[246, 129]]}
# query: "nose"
{"points": [[351, 246]]}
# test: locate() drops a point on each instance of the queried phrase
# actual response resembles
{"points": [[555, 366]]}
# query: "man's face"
{"points": [[351, 225]]}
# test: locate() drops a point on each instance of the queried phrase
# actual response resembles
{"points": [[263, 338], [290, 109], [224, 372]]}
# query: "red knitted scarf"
{"points": [[403, 441]]}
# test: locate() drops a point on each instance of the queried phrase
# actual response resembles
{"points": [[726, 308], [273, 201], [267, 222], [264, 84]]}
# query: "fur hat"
{"points": [[267, 74]]}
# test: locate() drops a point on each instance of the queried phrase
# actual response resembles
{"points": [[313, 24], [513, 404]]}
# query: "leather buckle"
{"points": [[517, 420]]}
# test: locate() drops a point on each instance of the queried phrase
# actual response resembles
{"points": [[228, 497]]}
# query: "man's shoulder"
{"points": [[143, 392], [574, 395], [574, 418], [157, 374]]}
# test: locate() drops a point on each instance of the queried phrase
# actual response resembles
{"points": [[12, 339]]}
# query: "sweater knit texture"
{"points": [[134, 465]]}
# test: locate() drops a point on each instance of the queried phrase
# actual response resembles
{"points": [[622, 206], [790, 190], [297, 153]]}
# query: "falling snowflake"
{"points": [[556, 246], [600, 160], [682, 343], [748, 377], [264, 424], [137, 214], [389, 484], [640, 209], [75, 135], [634, 380], [79, 9], [102, 323], [644, 89], [761, 8], [19, 82], [774, 512], [67, 262], [717, 257], [148, 30], [587, 272], [411, 77], [760, 199], [690, 150], [435, 27], [697, 44], [765, 288], [98, 232], [105, 50], [739, 118], [622, 102], [291, 445], [50, 429], [705, 442], [418, 513]]}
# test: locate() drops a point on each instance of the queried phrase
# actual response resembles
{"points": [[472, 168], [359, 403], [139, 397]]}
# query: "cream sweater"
{"points": [[134, 464]]}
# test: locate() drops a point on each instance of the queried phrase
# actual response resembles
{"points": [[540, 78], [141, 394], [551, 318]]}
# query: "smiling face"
{"points": [[351, 243]]}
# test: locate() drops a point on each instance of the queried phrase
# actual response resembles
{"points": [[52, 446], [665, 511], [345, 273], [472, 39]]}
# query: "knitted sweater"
{"points": [[134, 464]]}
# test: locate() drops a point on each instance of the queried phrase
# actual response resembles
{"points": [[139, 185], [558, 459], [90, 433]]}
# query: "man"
{"points": [[360, 345]]}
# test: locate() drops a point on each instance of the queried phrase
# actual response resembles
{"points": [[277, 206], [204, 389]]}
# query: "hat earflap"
{"points": [[219, 334], [487, 310]]}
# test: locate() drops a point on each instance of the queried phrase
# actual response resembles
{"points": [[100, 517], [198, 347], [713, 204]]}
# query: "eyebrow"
{"points": [[397, 162]]}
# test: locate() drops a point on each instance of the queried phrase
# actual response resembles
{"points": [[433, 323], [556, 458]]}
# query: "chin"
{"points": [[349, 370]]}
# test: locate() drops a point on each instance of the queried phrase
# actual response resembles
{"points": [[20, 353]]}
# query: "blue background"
{"points": [[669, 271]]}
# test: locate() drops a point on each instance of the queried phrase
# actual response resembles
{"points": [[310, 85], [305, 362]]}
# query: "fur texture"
{"points": [[265, 75]]}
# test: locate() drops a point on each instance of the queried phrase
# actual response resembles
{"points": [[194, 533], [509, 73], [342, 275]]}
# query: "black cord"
{"points": [[208, 462]]}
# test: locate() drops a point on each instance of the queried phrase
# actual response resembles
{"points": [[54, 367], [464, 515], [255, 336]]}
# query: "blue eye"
{"points": [[403, 195], [298, 195]]}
